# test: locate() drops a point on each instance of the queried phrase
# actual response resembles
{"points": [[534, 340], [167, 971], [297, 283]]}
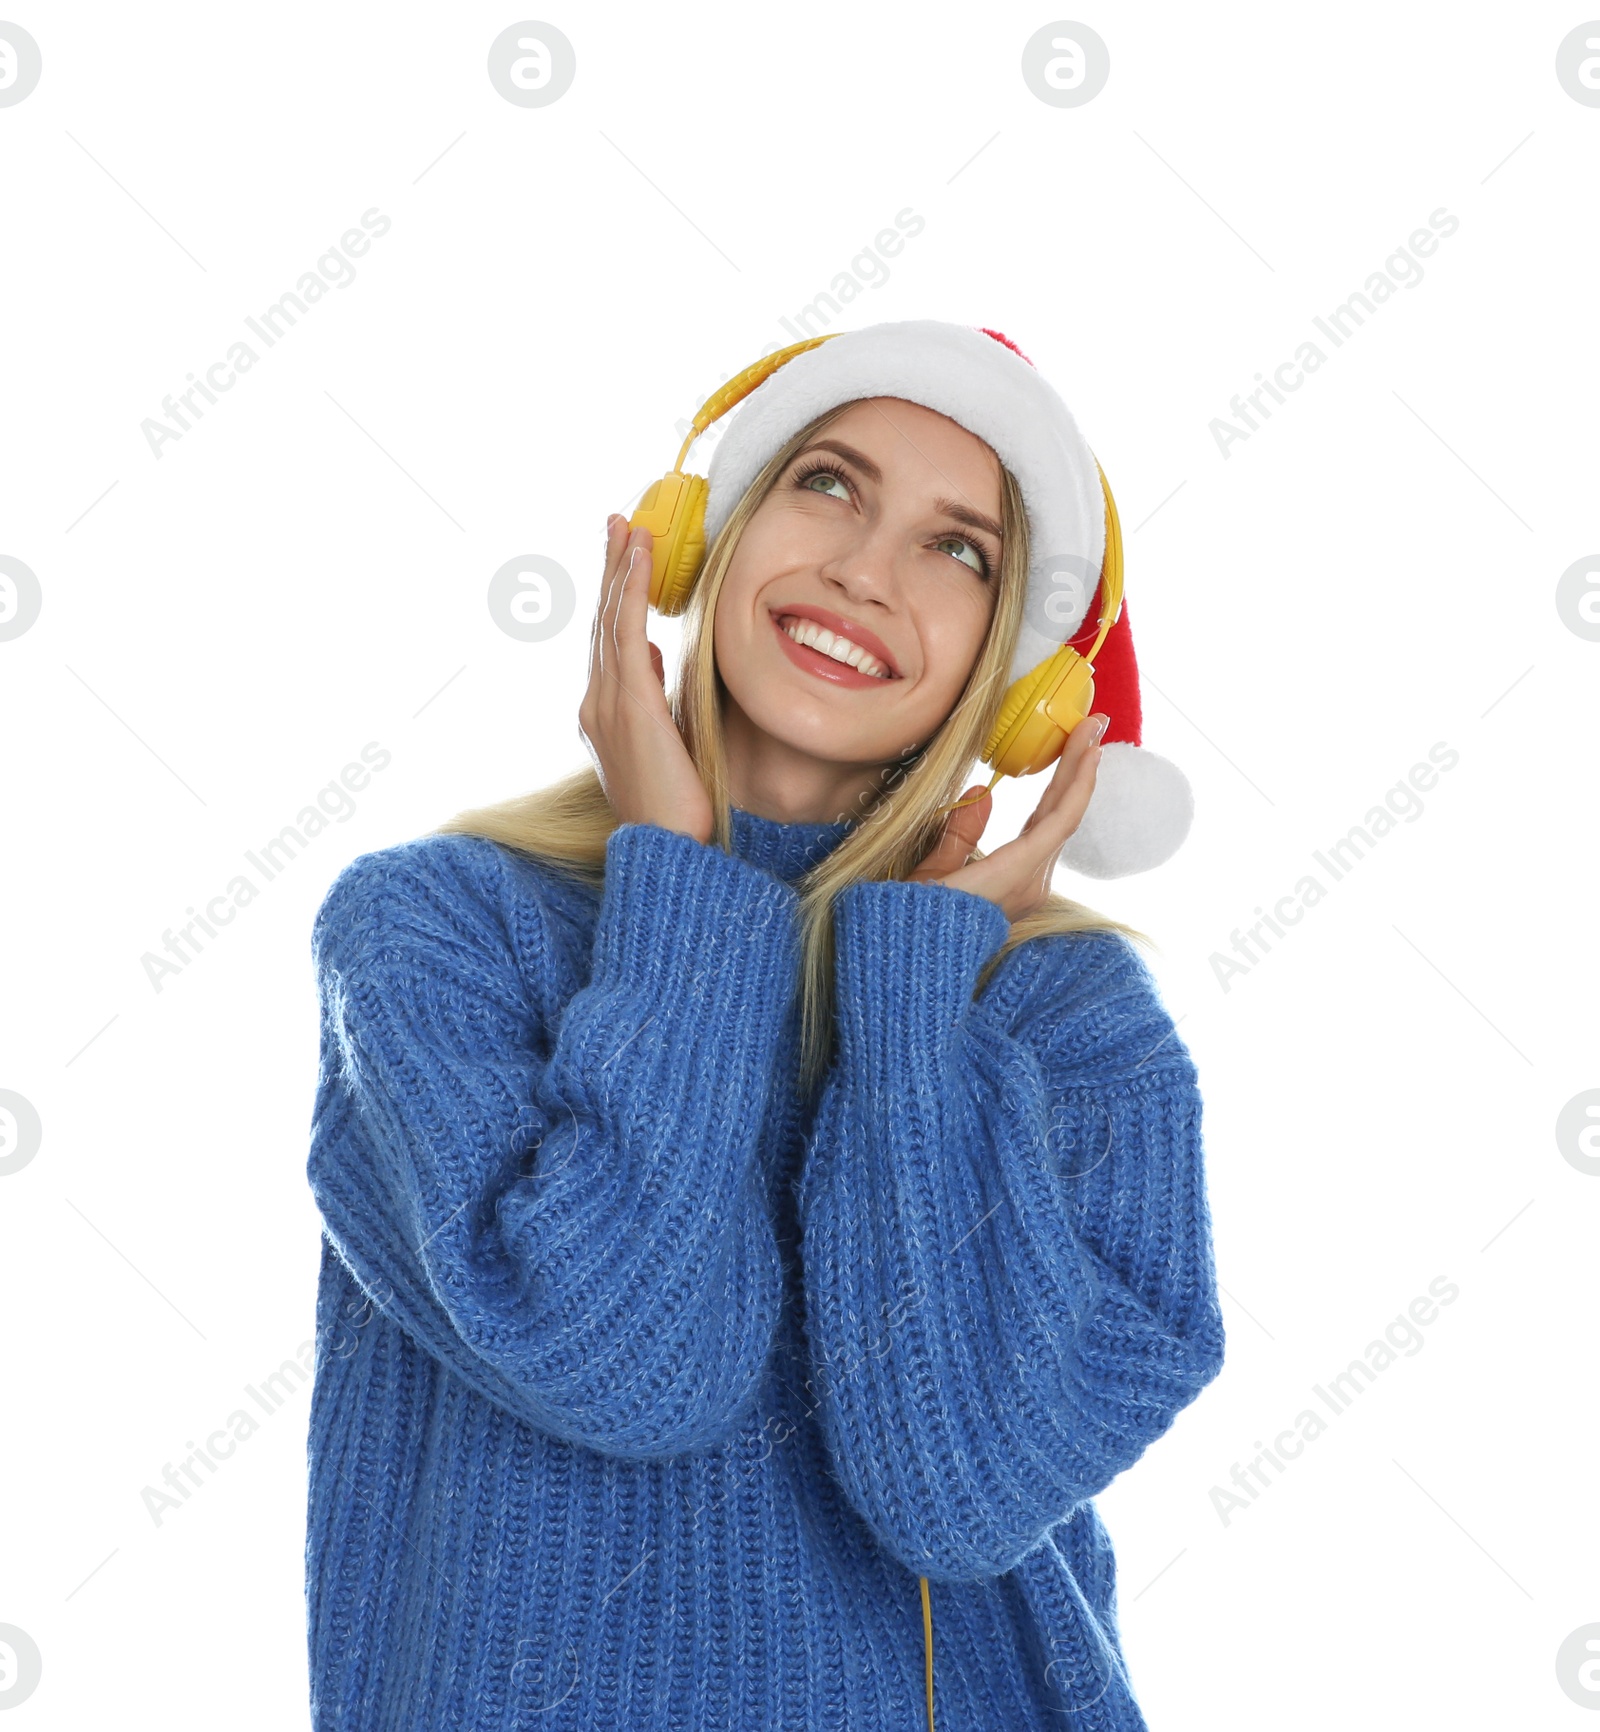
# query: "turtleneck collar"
{"points": [[786, 850]]}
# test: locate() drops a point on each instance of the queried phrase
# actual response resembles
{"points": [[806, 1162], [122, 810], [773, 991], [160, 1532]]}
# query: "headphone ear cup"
{"points": [[673, 509], [1039, 711], [1021, 696]]}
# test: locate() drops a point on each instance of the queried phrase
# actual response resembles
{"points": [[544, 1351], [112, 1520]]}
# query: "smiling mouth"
{"points": [[829, 654]]}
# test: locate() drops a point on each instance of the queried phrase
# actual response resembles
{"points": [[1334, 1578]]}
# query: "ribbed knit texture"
{"points": [[645, 1390]]}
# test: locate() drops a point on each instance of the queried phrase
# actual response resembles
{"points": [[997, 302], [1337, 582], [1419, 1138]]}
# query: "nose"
{"points": [[865, 567]]}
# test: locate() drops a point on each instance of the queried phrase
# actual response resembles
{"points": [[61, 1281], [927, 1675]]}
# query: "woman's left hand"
{"points": [[1017, 875]]}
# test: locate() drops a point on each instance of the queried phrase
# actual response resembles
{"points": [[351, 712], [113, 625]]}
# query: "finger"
{"points": [[617, 532], [616, 536], [633, 608], [968, 821], [1081, 742], [962, 829], [598, 661], [610, 643], [1058, 813], [630, 610], [660, 667], [1059, 821]]}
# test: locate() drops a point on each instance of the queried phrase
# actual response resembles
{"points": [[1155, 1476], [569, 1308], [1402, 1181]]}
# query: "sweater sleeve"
{"points": [[562, 1210], [1010, 1290]]}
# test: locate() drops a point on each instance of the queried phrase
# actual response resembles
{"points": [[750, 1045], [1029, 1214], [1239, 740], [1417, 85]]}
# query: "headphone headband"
{"points": [[740, 386], [1110, 569]]}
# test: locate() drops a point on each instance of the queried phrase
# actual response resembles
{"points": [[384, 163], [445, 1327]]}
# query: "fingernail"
{"points": [[1101, 723]]}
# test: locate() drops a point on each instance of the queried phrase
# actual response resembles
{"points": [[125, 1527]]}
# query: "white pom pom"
{"points": [[1137, 817]]}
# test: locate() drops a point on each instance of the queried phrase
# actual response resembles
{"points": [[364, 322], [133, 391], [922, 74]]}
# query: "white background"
{"points": [[1374, 570]]}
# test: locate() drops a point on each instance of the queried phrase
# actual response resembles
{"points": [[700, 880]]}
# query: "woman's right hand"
{"points": [[626, 723]]}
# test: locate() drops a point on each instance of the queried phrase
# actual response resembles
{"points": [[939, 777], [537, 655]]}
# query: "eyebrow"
{"points": [[950, 507]]}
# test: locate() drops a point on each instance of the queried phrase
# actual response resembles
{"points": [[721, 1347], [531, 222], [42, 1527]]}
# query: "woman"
{"points": [[757, 1222]]}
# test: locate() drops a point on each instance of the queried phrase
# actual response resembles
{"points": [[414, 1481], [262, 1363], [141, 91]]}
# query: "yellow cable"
{"points": [[954, 804], [927, 1643]]}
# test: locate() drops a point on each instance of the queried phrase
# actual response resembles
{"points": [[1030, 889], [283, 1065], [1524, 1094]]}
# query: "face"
{"points": [[881, 536]]}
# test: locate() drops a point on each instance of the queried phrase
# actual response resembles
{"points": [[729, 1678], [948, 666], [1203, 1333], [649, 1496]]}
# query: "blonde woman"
{"points": [[758, 1222]]}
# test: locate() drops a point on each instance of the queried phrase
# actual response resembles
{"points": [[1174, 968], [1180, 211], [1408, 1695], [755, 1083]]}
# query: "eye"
{"points": [[982, 566], [831, 475], [806, 479]]}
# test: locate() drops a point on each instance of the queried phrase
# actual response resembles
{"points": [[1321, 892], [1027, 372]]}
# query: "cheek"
{"points": [[787, 534], [730, 630], [758, 555], [952, 630], [740, 614], [742, 583]]}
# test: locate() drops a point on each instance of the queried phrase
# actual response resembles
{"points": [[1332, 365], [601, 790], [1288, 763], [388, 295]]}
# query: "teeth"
{"points": [[817, 637]]}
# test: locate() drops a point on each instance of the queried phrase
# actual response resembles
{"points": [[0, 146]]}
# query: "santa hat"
{"points": [[1142, 804]]}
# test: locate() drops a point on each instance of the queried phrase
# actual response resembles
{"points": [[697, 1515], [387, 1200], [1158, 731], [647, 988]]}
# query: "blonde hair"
{"points": [[568, 823]]}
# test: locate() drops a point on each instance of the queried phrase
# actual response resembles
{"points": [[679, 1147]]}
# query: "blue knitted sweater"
{"points": [[645, 1389]]}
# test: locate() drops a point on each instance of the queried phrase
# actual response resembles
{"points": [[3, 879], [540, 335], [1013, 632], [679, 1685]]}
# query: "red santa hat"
{"points": [[1142, 804]]}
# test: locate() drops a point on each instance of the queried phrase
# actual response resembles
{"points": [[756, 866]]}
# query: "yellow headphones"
{"points": [[1040, 709]]}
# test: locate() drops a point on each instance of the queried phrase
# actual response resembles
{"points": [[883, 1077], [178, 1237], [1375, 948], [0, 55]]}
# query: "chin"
{"points": [[770, 717]]}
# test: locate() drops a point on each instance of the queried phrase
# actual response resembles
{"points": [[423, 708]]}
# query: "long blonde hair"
{"points": [[568, 823]]}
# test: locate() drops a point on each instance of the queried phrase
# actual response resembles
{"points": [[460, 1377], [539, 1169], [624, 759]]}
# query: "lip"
{"points": [[840, 627]]}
